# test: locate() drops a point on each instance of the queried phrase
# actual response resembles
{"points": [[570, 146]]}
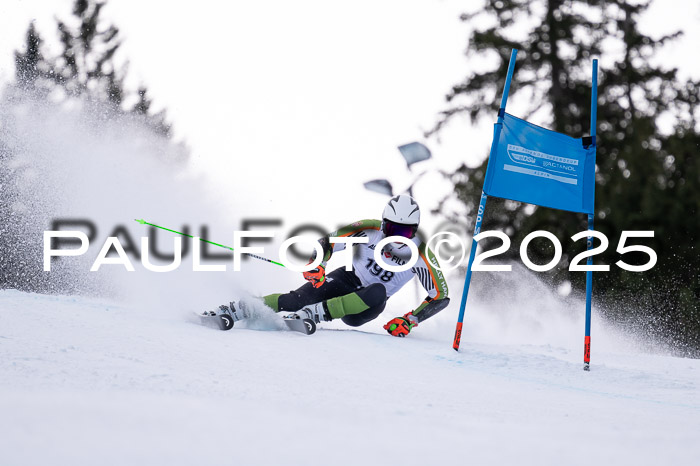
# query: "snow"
{"points": [[92, 381], [134, 380]]}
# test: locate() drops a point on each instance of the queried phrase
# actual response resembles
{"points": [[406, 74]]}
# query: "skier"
{"points": [[359, 296]]}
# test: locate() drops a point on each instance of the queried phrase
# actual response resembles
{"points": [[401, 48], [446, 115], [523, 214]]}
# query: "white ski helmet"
{"points": [[401, 216]]}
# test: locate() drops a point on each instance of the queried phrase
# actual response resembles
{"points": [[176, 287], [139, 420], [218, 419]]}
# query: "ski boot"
{"points": [[317, 312], [305, 319], [226, 316]]}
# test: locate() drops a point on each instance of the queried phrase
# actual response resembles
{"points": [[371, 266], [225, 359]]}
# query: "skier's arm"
{"points": [[434, 283], [317, 276]]}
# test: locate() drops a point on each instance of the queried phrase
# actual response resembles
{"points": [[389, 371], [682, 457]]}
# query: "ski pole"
{"points": [[143, 222]]}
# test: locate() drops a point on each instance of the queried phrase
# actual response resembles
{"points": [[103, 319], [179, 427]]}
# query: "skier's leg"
{"points": [[359, 307], [355, 320], [339, 282], [356, 308]]}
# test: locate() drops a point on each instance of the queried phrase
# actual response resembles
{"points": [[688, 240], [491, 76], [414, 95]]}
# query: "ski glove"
{"points": [[317, 276], [401, 326]]}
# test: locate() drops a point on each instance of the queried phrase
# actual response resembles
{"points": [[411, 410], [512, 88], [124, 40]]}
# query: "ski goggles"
{"points": [[399, 229]]}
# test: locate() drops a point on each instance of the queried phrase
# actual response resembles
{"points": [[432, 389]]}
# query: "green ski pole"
{"points": [[143, 222]]}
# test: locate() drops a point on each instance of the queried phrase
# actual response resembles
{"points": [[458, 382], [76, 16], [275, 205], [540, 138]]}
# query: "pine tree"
{"points": [[552, 73], [636, 163], [86, 65], [156, 121], [86, 71], [30, 65]]}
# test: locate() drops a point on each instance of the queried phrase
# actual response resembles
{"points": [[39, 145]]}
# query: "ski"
{"points": [[306, 326], [225, 322], [220, 321]]}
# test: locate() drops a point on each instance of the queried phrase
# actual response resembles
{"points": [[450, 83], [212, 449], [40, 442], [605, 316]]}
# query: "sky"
{"points": [[288, 107]]}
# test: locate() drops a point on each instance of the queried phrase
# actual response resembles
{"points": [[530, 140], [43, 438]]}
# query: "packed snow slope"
{"points": [[86, 382]]}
